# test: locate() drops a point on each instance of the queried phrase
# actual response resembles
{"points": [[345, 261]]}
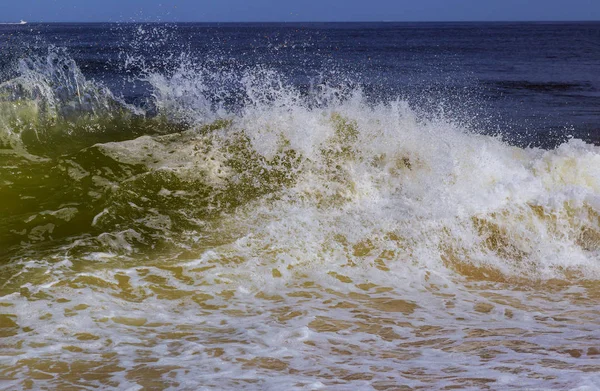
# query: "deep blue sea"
{"points": [[310, 206], [536, 80]]}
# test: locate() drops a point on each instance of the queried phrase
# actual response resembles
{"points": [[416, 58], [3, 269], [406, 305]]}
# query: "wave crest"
{"points": [[246, 165]]}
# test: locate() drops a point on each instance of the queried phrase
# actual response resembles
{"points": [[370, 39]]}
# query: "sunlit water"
{"points": [[300, 240]]}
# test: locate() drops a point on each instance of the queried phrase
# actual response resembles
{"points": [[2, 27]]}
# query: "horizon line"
{"points": [[308, 21]]}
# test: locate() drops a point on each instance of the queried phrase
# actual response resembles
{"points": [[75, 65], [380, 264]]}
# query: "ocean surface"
{"points": [[354, 206]]}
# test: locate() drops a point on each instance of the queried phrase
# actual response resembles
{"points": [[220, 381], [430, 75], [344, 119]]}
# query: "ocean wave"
{"points": [[383, 183], [237, 231], [541, 86]]}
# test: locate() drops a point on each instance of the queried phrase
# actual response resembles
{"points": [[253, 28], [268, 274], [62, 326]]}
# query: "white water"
{"points": [[392, 249]]}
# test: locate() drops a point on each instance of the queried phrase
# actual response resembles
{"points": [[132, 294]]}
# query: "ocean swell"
{"points": [[383, 183]]}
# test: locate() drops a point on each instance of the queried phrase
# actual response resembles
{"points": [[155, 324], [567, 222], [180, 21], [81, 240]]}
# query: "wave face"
{"points": [[244, 233]]}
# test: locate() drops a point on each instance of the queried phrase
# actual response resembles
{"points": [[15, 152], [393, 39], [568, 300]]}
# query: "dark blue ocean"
{"points": [[535, 83]]}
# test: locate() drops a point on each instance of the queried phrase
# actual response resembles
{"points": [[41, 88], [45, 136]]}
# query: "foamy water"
{"points": [[298, 241]]}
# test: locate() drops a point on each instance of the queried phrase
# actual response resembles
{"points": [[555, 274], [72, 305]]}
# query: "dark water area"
{"points": [[534, 83]]}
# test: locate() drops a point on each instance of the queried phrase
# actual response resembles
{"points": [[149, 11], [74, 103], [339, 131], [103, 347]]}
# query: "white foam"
{"points": [[345, 273]]}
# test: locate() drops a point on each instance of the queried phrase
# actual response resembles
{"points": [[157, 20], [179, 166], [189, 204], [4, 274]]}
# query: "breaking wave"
{"points": [[382, 183], [235, 225]]}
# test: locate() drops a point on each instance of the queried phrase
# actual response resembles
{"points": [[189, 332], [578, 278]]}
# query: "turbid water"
{"points": [[316, 206]]}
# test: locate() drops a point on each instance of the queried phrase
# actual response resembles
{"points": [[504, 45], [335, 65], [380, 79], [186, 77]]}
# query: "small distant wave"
{"points": [[540, 86]]}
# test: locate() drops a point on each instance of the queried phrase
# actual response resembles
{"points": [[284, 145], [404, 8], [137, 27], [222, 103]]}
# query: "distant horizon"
{"points": [[307, 11], [297, 21]]}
